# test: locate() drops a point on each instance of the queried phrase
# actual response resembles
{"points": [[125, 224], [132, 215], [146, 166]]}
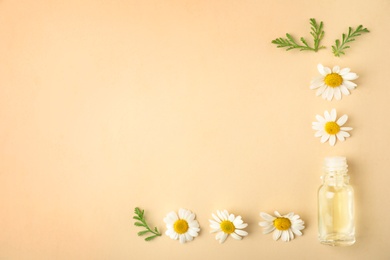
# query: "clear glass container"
{"points": [[336, 223]]}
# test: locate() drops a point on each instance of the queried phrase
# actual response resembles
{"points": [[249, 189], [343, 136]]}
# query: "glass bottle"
{"points": [[336, 225]]}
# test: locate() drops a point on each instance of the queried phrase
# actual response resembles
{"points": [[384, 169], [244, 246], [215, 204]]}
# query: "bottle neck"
{"points": [[335, 177]]}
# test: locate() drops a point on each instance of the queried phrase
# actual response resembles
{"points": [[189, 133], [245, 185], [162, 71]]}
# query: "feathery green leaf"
{"points": [[141, 222], [150, 238], [290, 43], [141, 233], [339, 47]]}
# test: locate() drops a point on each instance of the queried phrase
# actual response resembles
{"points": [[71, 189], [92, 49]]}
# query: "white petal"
{"points": [[221, 215], [344, 90], [323, 70], [265, 223], [321, 90], [182, 238], [341, 121], [237, 221], [332, 140], [350, 76], [327, 116], [340, 137], [225, 214], [216, 218], [235, 236], [285, 236], [219, 235], [349, 85], [188, 237], [169, 232], [344, 71], [182, 213], [333, 115], [291, 234], [325, 138], [277, 214], [336, 69], [170, 218], [337, 93], [345, 134], [194, 223], [319, 133], [289, 215], [190, 217], [324, 94], [317, 82], [173, 216], [267, 216], [222, 237], [268, 229], [215, 230], [243, 225], [241, 232], [330, 94], [196, 229], [345, 128], [320, 119], [276, 234], [187, 214], [214, 224], [169, 222], [231, 218], [317, 125], [320, 68], [299, 227], [193, 233], [295, 217], [296, 231]]}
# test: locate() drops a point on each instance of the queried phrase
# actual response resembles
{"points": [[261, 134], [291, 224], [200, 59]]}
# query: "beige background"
{"points": [[109, 105]]}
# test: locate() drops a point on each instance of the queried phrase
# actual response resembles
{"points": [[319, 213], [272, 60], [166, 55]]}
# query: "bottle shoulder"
{"points": [[336, 188]]}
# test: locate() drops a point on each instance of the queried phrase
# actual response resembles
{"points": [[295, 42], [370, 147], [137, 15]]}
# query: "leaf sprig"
{"points": [[141, 222], [339, 48], [316, 31]]}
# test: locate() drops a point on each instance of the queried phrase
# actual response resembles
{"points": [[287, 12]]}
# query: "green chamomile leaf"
{"points": [[340, 46], [139, 212], [150, 238], [137, 218], [141, 233], [141, 222], [290, 43]]}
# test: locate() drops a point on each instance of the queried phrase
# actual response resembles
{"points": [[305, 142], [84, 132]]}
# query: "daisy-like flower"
{"points": [[329, 129], [283, 226], [183, 226], [227, 224], [333, 83]]}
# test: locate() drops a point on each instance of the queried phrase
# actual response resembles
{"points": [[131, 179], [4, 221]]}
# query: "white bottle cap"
{"points": [[335, 163]]}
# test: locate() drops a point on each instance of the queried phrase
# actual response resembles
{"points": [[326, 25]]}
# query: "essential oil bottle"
{"points": [[336, 223]]}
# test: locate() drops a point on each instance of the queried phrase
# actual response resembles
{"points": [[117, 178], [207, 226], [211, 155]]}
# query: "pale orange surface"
{"points": [[109, 105]]}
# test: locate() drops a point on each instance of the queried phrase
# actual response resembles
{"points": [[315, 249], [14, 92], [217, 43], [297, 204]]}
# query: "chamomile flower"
{"points": [[283, 226], [227, 224], [328, 128], [333, 83], [183, 226]]}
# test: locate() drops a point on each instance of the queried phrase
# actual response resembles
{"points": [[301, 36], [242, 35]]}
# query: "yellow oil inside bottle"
{"points": [[336, 215]]}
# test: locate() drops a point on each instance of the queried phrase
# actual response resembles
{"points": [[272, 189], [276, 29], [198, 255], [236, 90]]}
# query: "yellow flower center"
{"points": [[332, 128], [227, 227], [282, 223], [333, 80], [180, 226]]}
